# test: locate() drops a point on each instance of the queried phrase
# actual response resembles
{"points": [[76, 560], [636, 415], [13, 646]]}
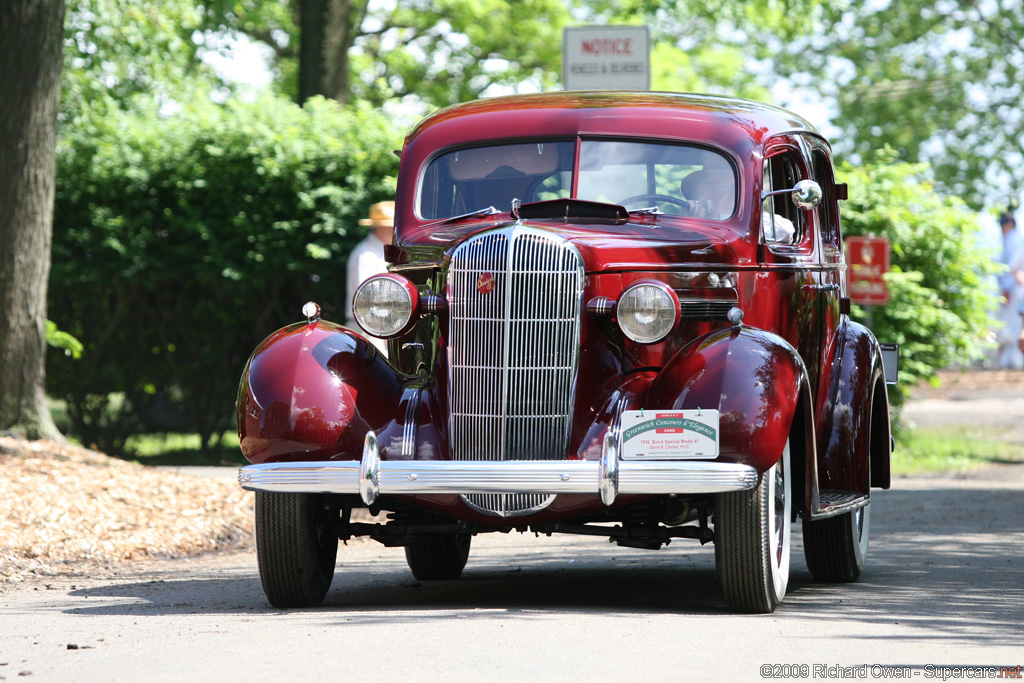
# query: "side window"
{"points": [[780, 218], [828, 215]]}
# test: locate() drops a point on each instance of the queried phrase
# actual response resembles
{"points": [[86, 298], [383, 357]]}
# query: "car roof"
{"points": [[729, 122]]}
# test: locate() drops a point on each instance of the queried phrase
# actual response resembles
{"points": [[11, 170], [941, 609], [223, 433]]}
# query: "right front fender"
{"points": [[297, 399], [755, 379]]}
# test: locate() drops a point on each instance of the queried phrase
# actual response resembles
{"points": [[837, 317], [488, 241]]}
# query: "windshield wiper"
{"points": [[648, 211], [479, 213], [489, 211]]}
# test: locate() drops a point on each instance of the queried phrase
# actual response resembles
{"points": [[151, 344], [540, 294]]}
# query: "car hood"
{"points": [[641, 244]]}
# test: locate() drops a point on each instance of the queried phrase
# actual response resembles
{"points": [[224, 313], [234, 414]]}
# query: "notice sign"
{"points": [[867, 259], [669, 434], [606, 58]]}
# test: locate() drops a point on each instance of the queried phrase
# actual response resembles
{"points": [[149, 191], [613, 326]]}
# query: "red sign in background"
{"points": [[867, 259]]}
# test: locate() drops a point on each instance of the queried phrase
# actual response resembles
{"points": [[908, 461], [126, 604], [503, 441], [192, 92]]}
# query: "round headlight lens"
{"points": [[384, 305], [647, 312]]}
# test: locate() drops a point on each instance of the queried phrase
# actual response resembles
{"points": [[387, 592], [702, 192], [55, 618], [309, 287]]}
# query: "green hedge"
{"points": [[182, 239], [940, 276]]}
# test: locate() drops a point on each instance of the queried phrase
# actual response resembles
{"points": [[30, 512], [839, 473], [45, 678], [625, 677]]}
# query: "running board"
{"points": [[832, 502]]}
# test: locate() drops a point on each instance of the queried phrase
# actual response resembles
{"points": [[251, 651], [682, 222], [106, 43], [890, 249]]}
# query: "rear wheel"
{"points": [[752, 541], [438, 558], [835, 548], [296, 547]]}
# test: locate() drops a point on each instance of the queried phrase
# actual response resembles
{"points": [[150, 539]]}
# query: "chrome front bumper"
{"points": [[608, 477]]}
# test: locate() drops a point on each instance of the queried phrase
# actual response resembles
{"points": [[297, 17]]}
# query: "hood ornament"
{"points": [[514, 211], [311, 311], [735, 316]]}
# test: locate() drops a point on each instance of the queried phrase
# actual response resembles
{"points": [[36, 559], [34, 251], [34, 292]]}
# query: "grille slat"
{"points": [[513, 351], [705, 309]]}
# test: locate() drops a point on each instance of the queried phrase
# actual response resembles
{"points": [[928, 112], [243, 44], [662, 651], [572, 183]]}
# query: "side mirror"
{"points": [[806, 194]]}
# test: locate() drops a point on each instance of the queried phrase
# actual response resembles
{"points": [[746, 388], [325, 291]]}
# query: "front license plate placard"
{"points": [[669, 434]]}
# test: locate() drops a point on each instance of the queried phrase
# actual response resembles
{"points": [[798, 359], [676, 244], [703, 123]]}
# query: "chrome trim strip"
{"points": [[412, 414], [397, 477]]}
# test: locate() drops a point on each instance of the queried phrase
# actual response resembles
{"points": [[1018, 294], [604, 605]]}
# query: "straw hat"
{"points": [[381, 214]]}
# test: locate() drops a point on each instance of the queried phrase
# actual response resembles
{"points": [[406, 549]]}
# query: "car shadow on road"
{"points": [[603, 581], [595, 578], [966, 582]]}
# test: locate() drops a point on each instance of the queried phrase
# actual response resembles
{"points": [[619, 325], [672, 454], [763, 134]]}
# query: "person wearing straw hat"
{"points": [[367, 259]]}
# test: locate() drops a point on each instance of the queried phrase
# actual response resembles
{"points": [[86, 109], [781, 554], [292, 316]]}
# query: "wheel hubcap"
{"points": [[779, 492]]}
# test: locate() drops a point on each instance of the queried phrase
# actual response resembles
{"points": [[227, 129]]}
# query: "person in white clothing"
{"points": [[1011, 287], [367, 259], [1020, 338]]}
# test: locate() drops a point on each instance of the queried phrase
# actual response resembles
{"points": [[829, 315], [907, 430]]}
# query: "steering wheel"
{"points": [[652, 199]]}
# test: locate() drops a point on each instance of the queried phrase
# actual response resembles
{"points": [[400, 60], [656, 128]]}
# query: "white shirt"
{"points": [[1012, 257], [777, 229], [366, 259]]}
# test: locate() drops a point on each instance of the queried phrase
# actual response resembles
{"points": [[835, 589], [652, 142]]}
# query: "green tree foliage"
{"points": [[119, 51], [940, 82], [438, 52], [59, 339], [435, 52], [708, 46], [940, 280], [181, 240]]}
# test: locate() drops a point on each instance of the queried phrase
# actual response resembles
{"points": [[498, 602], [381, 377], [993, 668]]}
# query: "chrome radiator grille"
{"points": [[515, 299]]}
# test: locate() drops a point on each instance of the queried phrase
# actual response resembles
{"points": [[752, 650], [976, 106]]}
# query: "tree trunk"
{"points": [[312, 20], [328, 31], [31, 37], [339, 40]]}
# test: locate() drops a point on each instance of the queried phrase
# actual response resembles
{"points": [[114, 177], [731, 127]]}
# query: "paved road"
{"points": [[944, 587]]}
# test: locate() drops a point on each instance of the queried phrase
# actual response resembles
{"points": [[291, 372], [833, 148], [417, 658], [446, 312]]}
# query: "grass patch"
{"points": [[182, 450], [923, 450]]}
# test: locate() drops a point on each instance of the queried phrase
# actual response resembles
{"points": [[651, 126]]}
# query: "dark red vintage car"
{"points": [[614, 314]]}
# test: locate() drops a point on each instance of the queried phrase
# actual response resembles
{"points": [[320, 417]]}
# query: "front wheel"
{"points": [[296, 547], [835, 548], [753, 531], [438, 558]]}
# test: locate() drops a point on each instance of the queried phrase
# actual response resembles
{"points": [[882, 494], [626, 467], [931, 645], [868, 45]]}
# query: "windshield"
{"points": [[677, 179]]}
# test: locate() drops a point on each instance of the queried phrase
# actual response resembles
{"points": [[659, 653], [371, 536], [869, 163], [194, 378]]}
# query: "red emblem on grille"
{"points": [[485, 283]]}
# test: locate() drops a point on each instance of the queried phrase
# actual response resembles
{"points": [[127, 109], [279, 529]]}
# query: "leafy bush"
{"points": [[940, 296], [181, 240]]}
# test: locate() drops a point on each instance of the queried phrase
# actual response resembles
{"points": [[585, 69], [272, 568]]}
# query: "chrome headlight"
{"points": [[647, 311], [384, 305]]}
